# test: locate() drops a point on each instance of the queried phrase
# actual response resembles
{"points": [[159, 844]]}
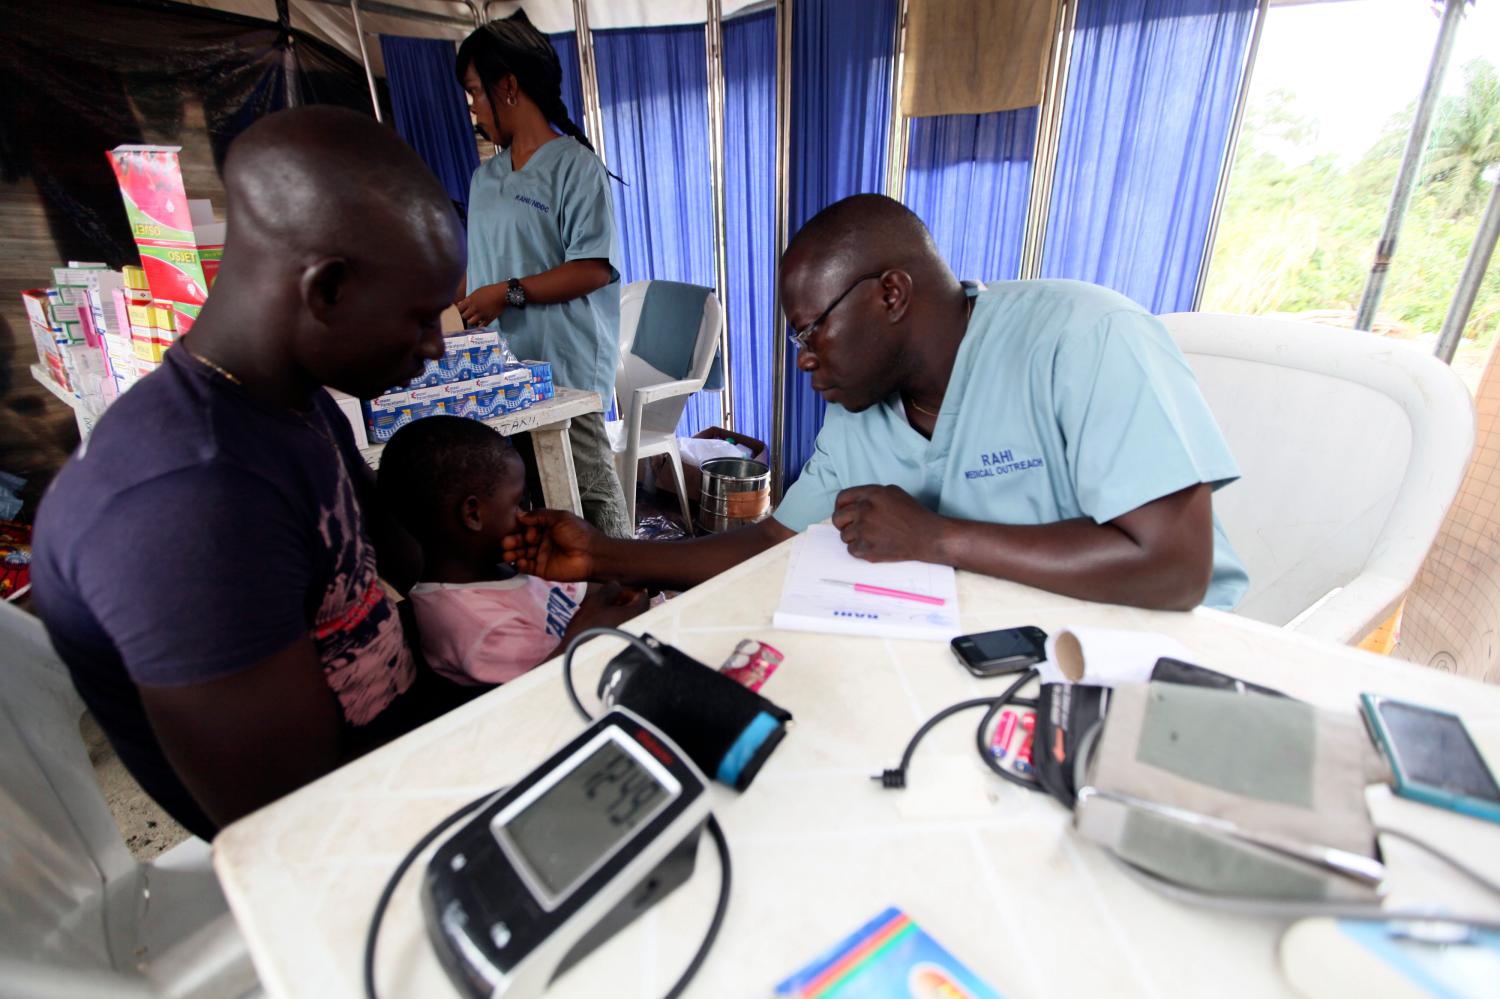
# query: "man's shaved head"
{"points": [[328, 181], [865, 232], [862, 280], [342, 253]]}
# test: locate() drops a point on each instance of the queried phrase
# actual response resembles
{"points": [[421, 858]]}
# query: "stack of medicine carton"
{"points": [[477, 377], [98, 331]]}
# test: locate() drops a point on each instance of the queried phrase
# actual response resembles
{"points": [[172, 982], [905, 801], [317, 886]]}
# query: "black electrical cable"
{"points": [[390, 886], [896, 778], [584, 636], [720, 908]]}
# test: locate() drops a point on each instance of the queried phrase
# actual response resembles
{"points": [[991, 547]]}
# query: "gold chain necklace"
{"points": [[234, 379], [968, 312], [225, 373]]}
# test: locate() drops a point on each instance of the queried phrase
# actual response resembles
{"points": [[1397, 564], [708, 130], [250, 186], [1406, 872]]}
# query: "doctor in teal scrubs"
{"points": [[1047, 432], [543, 253]]}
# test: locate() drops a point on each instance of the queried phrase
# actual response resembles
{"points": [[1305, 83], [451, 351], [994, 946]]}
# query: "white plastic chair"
{"points": [[1351, 449], [78, 915], [650, 402]]}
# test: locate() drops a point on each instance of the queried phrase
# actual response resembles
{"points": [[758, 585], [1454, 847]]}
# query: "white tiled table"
{"points": [[994, 873]]}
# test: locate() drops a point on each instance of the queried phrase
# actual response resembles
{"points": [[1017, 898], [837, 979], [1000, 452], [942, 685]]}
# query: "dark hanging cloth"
{"points": [[79, 77]]}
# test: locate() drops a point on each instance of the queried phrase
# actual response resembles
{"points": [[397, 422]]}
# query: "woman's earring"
{"points": [[511, 100]]}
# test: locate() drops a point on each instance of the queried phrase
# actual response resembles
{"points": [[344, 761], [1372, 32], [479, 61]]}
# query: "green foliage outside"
{"points": [[1299, 235]]}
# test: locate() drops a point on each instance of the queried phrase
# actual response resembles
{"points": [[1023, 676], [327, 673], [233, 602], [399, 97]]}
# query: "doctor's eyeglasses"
{"points": [[800, 337]]}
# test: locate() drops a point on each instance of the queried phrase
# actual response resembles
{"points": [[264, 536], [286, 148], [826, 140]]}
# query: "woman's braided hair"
{"points": [[514, 45]]}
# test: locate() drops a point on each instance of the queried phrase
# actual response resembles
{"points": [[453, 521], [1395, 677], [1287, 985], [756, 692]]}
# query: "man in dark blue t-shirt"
{"points": [[204, 562]]}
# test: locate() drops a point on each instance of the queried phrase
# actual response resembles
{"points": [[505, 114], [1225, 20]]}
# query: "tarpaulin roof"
{"points": [[332, 21]]}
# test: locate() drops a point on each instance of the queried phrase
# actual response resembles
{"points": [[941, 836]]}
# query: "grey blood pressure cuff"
{"points": [[1066, 712], [1250, 795]]}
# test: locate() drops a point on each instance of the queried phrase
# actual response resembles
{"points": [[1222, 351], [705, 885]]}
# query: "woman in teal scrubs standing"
{"points": [[542, 245]]}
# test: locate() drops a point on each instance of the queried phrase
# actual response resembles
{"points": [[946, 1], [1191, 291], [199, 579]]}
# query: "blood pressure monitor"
{"points": [[560, 861]]}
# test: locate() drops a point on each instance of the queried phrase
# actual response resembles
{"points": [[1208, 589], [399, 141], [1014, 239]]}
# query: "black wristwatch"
{"points": [[515, 295]]}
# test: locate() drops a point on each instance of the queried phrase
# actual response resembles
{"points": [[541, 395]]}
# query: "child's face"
{"points": [[504, 501]]}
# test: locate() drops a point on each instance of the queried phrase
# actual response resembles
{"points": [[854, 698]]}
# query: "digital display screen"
{"points": [[584, 816], [1434, 749], [996, 645]]}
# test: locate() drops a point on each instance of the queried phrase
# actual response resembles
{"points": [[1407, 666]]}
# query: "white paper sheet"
{"points": [[808, 603]]}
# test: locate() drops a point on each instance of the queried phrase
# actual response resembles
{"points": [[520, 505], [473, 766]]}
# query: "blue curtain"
{"points": [[750, 204], [1151, 93], [968, 176], [566, 45], [653, 86], [841, 110], [431, 112]]}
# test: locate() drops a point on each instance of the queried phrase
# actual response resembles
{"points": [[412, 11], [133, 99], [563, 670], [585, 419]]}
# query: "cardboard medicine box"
{"points": [[180, 243]]}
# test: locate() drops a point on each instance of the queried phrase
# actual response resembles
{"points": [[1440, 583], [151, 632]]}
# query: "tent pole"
{"points": [[1231, 145], [1411, 162], [783, 210], [713, 47], [593, 114], [1471, 278], [396, 10], [364, 57], [1044, 148], [898, 141]]}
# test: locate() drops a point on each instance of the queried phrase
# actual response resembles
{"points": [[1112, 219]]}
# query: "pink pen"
{"points": [[885, 591]]}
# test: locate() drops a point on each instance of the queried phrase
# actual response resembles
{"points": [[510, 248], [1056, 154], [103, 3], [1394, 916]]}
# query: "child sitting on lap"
{"points": [[456, 485]]}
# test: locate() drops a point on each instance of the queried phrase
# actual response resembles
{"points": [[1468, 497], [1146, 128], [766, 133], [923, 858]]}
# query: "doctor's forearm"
{"points": [[1079, 558], [565, 282], [682, 564]]}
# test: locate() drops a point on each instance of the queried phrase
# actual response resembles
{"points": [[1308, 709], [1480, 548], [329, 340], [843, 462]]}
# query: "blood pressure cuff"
{"points": [[728, 730], [1067, 711], [1274, 767]]}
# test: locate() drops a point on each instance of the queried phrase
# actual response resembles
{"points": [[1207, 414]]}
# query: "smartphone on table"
{"points": [[1433, 758], [996, 653]]}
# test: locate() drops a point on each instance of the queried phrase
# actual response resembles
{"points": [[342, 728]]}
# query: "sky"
{"points": [[1354, 63]]}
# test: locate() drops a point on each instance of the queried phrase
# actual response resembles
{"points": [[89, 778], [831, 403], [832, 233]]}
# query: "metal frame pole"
{"points": [[364, 57], [396, 10], [898, 141], [1471, 278], [1231, 146], [1411, 161], [783, 213], [713, 48], [1048, 137], [593, 114]]}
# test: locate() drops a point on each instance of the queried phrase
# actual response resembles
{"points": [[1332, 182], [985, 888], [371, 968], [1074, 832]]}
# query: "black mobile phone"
{"points": [[995, 653]]}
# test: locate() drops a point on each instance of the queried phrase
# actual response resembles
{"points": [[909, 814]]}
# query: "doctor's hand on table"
{"points": [[885, 524]]}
